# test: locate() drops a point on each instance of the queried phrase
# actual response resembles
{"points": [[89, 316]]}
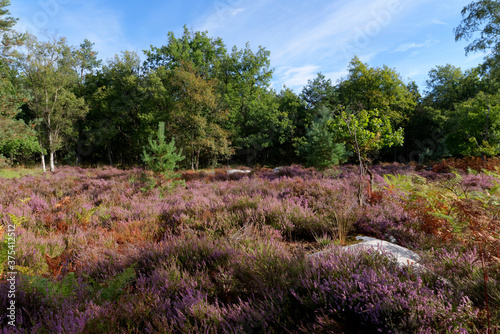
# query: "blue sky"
{"points": [[304, 37]]}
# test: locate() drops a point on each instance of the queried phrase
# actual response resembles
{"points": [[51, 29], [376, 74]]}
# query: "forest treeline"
{"points": [[63, 102]]}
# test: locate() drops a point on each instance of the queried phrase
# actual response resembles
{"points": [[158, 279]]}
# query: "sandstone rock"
{"points": [[402, 255]]}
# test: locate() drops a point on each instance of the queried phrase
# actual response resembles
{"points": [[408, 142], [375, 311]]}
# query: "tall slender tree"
{"points": [[48, 72]]}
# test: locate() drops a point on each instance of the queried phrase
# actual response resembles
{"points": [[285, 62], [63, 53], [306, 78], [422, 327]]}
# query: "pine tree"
{"points": [[162, 157], [9, 37], [321, 150]]}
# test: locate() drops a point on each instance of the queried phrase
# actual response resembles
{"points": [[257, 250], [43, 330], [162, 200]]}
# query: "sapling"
{"points": [[162, 157]]}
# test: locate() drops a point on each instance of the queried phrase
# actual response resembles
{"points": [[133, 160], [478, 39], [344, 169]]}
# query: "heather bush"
{"points": [[462, 271], [99, 252], [387, 217], [368, 292]]}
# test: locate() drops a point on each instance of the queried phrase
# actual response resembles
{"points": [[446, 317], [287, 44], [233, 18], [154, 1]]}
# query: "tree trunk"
{"points": [[52, 166], [361, 181], [197, 159], [43, 162], [109, 156]]}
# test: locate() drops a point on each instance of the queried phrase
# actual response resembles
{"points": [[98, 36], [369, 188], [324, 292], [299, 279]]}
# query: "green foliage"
{"points": [[483, 17], [62, 289], [448, 85], [12, 95], [255, 119], [196, 48], [4, 252], [473, 129], [86, 59], [19, 220], [114, 287], [364, 132], [296, 120], [119, 120], [11, 173], [19, 150], [196, 119], [398, 181], [319, 92], [320, 149], [162, 157], [47, 70], [10, 38], [379, 89]]}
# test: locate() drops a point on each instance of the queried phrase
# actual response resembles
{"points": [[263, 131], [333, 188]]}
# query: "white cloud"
{"points": [[335, 76], [323, 34], [296, 77], [341, 28], [366, 58], [439, 22], [410, 46]]}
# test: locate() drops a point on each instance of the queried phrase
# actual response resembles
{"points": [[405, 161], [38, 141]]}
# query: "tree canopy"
{"points": [[219, 104]]}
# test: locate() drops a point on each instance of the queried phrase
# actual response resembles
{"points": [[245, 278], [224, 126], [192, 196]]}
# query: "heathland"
{"points": [[109, 251]]}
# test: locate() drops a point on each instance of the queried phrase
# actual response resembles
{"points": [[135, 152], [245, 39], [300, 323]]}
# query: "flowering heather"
{"points": [[122, 251]]}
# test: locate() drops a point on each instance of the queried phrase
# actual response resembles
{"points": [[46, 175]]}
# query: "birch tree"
{"points": [[47, 68]]}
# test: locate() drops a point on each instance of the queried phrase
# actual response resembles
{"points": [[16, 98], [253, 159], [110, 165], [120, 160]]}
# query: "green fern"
{"points": [[64, 288], [398, 181], [17, 221], [4, 251], [114, 287]]}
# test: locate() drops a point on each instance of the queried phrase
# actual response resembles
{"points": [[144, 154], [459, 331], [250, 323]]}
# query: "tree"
{"points": [[255, 120], [195, 117], [321, 148], [474, 127], [16, 137], [364, 133], [443, 86], [162, 157], [12, 97], [196, 48], [241, 90], [481, 26], [298, 118], [377, 88], [117, 125], [483, 17], [319, 92], [10, 37], [448, 85], [48, 72], [86, 60]]}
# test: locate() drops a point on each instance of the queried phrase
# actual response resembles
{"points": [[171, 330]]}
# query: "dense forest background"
{"points": [[63, 102]]}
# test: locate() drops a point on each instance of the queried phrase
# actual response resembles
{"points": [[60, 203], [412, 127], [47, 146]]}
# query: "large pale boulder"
{"points": [[238, 171], [403, 256]]}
